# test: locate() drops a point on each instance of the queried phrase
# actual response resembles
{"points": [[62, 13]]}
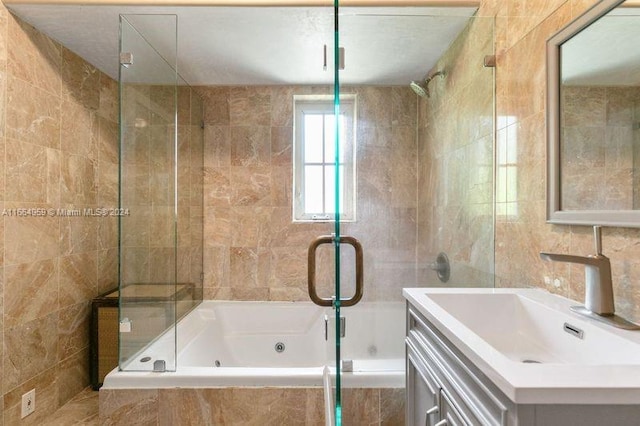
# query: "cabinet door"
{"points": [[422, 393], [450, 413]]}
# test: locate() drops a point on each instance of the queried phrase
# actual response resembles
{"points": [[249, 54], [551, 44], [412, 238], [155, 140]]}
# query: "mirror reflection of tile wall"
{"points": [[599, 148]]}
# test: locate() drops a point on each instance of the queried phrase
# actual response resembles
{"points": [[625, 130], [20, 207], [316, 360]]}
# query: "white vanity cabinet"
{"points": [[445, 388], [441, 388]]}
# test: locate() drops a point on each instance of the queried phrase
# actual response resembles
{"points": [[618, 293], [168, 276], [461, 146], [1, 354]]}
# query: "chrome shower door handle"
{"points": [[311, 276]]}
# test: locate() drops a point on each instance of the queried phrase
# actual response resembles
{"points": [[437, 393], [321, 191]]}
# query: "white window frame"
{"points": [[314, 104]]}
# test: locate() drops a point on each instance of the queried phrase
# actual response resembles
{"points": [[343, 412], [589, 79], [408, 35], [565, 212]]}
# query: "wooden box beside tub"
{"points": [[104, 339]]}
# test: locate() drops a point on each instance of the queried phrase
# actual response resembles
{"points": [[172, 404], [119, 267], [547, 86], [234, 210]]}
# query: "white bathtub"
{"points": [[241, 337]]}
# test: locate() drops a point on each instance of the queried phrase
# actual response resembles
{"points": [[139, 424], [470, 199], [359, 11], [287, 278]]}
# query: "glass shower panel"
{"points": [[149, 287], [457, 128]]}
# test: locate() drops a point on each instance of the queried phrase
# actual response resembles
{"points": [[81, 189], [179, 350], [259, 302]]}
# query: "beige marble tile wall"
{"points": [[522, 30], [455, 160], [598, 146], [253, 251], [58, 150], [635, 155]]}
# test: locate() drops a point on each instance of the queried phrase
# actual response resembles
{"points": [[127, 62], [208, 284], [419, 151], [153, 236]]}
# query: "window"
{"points": [[314, 166]]}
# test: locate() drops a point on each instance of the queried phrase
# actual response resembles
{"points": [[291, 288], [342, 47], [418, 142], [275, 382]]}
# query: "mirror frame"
{"points": [[622, 218]]}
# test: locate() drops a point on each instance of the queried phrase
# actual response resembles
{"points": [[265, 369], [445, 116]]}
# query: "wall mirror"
{"points": [[593, 118]]}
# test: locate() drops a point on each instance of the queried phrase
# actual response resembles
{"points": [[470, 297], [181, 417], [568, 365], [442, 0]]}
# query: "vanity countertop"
{"points": [[502, 330]]}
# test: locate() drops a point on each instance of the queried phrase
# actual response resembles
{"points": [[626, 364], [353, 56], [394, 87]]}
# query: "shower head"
{"points": [[422, 89]]}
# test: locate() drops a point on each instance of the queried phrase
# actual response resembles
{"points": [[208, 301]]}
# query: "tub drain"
{"points": [[145, 359], [531, 361], [217, 363], [279, 347]]}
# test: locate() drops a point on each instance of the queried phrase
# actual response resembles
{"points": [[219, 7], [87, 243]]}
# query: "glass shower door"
{"points": [[148, 192], [396, 147]]}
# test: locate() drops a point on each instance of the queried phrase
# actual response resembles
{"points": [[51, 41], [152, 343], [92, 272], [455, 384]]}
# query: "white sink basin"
{"points": [[526, 342], [525, 330]]}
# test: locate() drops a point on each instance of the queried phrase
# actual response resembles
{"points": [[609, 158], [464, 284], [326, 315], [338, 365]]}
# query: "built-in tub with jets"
{"points": [[280, 348]]}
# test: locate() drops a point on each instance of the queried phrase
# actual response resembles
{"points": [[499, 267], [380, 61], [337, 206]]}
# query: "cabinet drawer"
{"points": [[476, 398]]}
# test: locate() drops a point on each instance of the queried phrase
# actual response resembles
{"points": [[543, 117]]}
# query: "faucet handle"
{"points": [[597, 237]]}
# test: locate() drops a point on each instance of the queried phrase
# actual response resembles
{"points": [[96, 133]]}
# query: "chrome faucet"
{"points": [[598, 297]]}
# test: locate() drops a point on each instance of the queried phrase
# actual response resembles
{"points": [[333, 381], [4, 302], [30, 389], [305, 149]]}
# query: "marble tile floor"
{"points": [[81, 410]]}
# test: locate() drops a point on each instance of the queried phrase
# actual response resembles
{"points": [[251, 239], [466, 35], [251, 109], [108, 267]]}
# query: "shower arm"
{"points": [[434, 75]]}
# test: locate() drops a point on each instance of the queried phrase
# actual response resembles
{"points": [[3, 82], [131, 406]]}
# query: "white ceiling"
{"points": [[260, 45], [607, 53]]}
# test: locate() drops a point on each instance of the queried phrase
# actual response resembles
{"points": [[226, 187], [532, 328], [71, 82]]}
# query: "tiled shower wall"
{"points": [[253, 251], [521, 231], [522, 30], [58, 150]]}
